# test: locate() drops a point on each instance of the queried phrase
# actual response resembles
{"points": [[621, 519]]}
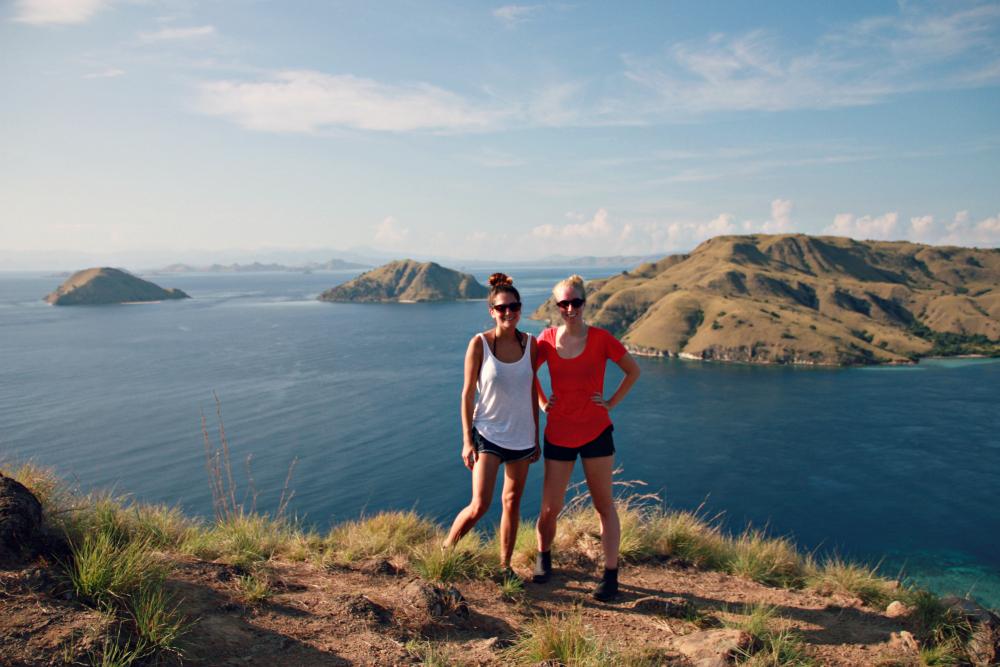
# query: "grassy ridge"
{"points": [[121, 558]]}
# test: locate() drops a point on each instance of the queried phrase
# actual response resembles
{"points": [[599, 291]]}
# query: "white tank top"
{"points": [[503, 413]]}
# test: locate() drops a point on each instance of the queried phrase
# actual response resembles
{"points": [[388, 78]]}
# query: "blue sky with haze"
{"points": [[145, 131]]}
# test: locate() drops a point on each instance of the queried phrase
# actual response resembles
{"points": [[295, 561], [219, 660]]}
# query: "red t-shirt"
{"points": [[575, 419]]}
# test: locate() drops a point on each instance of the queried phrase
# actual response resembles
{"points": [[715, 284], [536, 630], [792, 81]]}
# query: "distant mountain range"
{"points": [[258, 267], [804, 299]]}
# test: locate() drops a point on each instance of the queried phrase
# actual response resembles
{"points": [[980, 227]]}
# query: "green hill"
{"points": [[804, 299]]}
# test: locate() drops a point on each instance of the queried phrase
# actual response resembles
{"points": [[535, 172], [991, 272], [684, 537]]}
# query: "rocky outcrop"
{"points": [[797, 299], [407, 280], [20, 522], [104, 285]]}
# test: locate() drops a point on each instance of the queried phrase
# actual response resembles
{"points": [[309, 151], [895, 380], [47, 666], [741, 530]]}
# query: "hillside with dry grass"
{"points": [[804, 300], [104, 285], [407, 280], [135, 584]]}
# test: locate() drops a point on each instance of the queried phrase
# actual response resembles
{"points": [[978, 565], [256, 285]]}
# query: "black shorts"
{"points": [[602, 445], [484, 446]]}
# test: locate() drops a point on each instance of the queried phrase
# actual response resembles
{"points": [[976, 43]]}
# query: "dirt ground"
{"points": [[358, 616]]}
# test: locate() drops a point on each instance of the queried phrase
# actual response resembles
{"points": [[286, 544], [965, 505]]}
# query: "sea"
{"points": [[897, 466]]}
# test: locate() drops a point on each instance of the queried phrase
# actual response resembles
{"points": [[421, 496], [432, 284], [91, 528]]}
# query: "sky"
{"points": [[154, 131]]}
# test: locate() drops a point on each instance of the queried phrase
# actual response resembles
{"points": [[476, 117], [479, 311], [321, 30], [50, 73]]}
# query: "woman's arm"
{"points": [[534, 396], [631, 370], [473, 361]]}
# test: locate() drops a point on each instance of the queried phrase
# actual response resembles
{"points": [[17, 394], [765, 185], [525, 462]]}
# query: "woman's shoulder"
{"points": [[474, 342], [548, 335]]}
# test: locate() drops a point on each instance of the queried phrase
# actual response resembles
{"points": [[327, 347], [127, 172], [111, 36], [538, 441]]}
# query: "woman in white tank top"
{"points": [[499, 416]]}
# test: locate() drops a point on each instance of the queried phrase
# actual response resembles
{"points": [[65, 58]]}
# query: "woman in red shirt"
{"points": [[578, 424]]}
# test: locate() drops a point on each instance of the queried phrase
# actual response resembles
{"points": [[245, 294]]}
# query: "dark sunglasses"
{"points": [[502, 308], [566, 303]]}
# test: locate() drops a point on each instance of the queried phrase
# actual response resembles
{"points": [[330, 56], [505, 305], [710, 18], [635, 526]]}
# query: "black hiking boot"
{"points": [[543, 567], [607, 589]]}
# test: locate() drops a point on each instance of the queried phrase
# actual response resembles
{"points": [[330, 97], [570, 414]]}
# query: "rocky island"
{"points": [[406, 281], [104, 285], [802, 299]]}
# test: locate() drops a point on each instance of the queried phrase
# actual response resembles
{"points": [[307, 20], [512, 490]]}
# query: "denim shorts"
{"points": [[484, 446], [602, 445]]}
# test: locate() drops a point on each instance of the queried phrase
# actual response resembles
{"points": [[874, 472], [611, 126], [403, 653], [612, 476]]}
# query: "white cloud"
{"points": [[596, 227], [310, 101], [864, 63], [177, 34], [962, 231], [920, 227], [390, 232], [602, 236], [41, 12], [513, 14], [108, 73], [882, 227]]}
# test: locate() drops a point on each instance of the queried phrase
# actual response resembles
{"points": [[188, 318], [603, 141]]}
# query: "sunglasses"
{"points": [[566, 303], [502, 308]]}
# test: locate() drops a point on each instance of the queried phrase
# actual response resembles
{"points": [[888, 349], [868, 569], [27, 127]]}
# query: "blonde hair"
{"points": [[574, 281]]}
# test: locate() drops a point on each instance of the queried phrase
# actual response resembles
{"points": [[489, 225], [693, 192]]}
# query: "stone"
{"points": [[381, 566], [983, 646], [436, 601], [905, 642], [971, 610], [363, 607], [20, 521], [713, 648], [674, 607], [897, 609]]}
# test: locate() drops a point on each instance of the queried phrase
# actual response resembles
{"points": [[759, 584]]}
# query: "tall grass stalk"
{"points": [[223, 484]]}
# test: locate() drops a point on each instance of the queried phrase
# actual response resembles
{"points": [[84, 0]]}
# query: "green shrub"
{"points": [[158, 620], [767, 560], [469, 559], [104, 571], [836, 575], [560, 640], [383, 535]]}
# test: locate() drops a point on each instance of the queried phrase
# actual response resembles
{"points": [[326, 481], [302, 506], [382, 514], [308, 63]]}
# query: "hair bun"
{"points": [[498, 279]]}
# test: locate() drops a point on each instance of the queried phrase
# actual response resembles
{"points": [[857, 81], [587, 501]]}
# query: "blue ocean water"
{"points": [[891, 465]]}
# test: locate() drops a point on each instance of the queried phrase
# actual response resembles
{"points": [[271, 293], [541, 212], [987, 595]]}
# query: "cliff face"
{"points": [[103, 285], [406, 280], [804, 299]]}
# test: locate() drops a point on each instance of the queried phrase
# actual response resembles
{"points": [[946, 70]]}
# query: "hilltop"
{"points": [[407, 280], [801, 299], [104, 285], [145, 585]]}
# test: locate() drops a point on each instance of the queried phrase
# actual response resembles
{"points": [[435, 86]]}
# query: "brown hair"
{"points": [[501, 283]]}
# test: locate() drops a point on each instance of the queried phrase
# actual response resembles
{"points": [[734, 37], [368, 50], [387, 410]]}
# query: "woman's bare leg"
{"points": [[515, 475], [598, 472], [484, 478], [557, 474]]}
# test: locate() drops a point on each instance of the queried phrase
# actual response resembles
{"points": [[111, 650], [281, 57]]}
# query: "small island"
{"points": [[798, 299], [407, 281], [105, 285]]}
